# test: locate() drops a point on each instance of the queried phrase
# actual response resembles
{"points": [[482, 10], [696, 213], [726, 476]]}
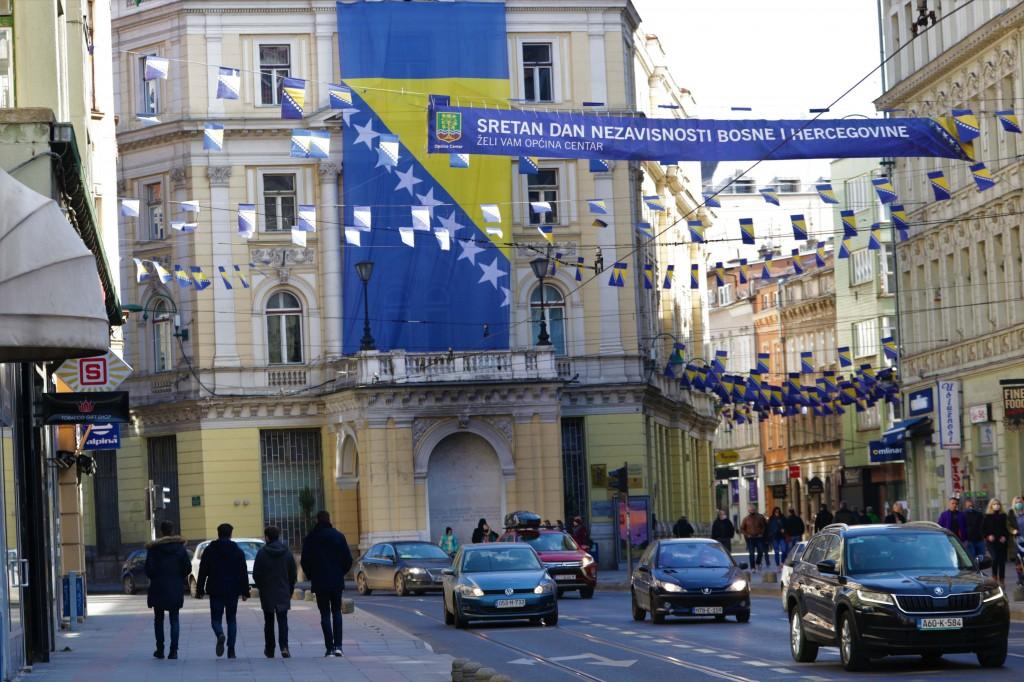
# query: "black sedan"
{"points": [[405, 567], [691, 577], [133, 572]]}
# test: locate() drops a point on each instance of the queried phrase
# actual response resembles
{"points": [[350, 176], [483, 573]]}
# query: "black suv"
{"points": [[880, 590]]}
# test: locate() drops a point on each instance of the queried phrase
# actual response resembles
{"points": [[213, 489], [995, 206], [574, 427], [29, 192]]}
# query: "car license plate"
{"points": [[564, 577], [510, 603], [940, 623], [707, 610]]}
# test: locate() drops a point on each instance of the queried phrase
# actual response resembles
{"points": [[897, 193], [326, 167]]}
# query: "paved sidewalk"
{"points": [[116, 644]]}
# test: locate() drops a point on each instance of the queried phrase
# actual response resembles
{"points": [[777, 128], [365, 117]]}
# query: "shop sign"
{"points": [[726, 457], [725, 473], [852, 476], [956, 473], [748, 471], [920, 402], [106, 407], [794, 471], [986, 437], [1013, 404], [752, 490], [815, 486], [880, 452], [779, 492], [979, 414], [949, 415]]}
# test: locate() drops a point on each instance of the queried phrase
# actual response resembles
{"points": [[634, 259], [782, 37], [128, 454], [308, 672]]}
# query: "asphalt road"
{"points": [[598, 640]]}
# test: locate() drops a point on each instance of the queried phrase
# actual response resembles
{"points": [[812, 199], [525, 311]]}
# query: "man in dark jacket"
{"points": [[975, 542], [325, 561], [682, 529], [224, 576], [275, 575], [954, 520], [793, 527], [823, 518], [723, 531], [167, 564], [845, 515]]}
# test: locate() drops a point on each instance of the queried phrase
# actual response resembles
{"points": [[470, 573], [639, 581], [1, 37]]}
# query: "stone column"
{"points": [[330, 254], [225, 352]]}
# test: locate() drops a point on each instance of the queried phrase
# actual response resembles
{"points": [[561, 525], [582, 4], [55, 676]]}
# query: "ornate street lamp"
{"points": [[365, 270], [540, 269]]}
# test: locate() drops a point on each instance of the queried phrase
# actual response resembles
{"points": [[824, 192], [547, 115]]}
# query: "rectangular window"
{"points": [[543, 186], [6, 68], [862, 267], [887, 265], [574, 468], [154, 215], [538, 73], [788, 185], [865, 338], [725, 294], [149, 91], [279, 201], [743, 186], [275, 66], [162, 454], [291, 467]]}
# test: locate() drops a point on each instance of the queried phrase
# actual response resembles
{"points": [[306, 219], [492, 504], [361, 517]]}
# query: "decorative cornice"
{"points": [[328, 170], [219, 176], [999, 348]]}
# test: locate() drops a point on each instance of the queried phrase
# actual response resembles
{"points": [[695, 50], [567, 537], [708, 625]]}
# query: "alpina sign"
{"points": [[108, 407]]}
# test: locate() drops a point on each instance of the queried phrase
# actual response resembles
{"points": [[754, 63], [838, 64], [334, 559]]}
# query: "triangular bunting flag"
{"points": [[826, 193], [799, 226], [229, 83], [940, 185], [886, 192], [747, 230], [982, 177]]}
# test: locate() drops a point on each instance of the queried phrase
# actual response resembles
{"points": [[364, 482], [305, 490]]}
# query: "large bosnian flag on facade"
{"points": [[422, 298]]}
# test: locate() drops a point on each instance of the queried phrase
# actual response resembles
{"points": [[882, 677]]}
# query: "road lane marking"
{"points": [[728, 656], [784, 671], [1010, 653], [663, 641], [704, 651], [758, 664], [682, 646]]}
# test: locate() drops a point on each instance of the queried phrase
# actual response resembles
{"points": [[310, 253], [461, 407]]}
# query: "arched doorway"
{"points": [[464, 484]]}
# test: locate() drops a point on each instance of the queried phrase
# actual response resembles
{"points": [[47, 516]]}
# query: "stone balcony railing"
{"points": [[400, 367]]}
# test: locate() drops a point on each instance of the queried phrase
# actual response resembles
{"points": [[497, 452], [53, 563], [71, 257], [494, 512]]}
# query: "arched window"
{"points": [[284, 329], [163, 329], [554, 306]]}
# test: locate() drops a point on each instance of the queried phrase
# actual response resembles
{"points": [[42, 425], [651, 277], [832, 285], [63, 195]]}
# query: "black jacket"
{"points": [[846, 516], [275, 576], [794, 527], [895, 517], [995, 525], [167, 565], [682, 529], [326, 559], [823, 519], [974, 521], [222, 571], [722, 529]]}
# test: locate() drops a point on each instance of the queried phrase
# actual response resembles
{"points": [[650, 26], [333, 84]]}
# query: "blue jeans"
{"points": [[975, 548], [220, 607], [755, 551], [158, 627], [329, 604], [781, 548]]}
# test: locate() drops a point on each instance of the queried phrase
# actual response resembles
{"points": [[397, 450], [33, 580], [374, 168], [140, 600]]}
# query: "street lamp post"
{"points": [[540, 269], [364, 270]]}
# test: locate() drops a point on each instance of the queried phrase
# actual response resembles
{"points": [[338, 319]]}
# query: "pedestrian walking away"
{"points": [[682, 529], [845, 515], [1015, 519], [167, 565], [954, 520], [753, 528], [326, 559], [275, 575], [823, 519], [975, 543], [580, 533], [224, 577], [777, 535], [896, 515], [723, 531], [794, 528], [483, 532], [448, 542], [997, 534]]}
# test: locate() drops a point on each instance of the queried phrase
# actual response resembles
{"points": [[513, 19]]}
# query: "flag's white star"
{"points": [[428, 199], [366, 134], [508, 297], [384, 159], [491, 273], [346, 114], [469, 250], [407, 180], [450, 223]]}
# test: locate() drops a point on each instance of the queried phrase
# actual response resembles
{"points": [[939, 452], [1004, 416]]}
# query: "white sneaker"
{"points": [[337, 652]]}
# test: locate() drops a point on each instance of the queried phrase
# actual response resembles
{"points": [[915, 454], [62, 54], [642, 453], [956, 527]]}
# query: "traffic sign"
{"points": [[103, 437], [99, 373]]}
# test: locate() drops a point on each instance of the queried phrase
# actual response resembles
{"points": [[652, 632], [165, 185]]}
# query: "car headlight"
{"points": [[415, 570], [587, 560], [669, 587], [738, 585], [874, 597], [544, 588], [469, 590], [993, 594]]}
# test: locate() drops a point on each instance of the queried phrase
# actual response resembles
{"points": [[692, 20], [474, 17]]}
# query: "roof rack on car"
{"points": [[843, 526], [927, 524]]}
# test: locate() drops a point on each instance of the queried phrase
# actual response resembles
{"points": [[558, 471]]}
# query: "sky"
{"points": [[779, 57]]}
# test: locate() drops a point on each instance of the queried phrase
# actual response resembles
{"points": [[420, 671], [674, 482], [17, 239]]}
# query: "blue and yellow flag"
{"points": [[849, 224], [645, 229], [826, 193], [340, 96], [213, 137], [771, 196], [875, 240], [889, 346], [293, 98], [762, 362], [899, 217], [181, 277], [597, 206], [648, 275], [798, 268], [719, 274], [458, 160], [670, 273], [982, 177], [546, 232], [799, 226], [696, 228], [744, 271], [819, 255], [886, 192], [1009, 120], [766, 271], [711, 201], [388, 53], [599, 166], [807, 362], [940, 185], [844, 248], [529, 165], [654, 202], [967, 126], [845, 358], [718, 364], [199, 278], [241, 278], [618, 276], [747, 230], [579, 268], [694, 276], [224, 277]]}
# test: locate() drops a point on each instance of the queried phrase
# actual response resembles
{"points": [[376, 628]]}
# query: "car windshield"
{"points": [[250, 549], [902, 551], [692, 555], [551, 542], [420, 550], [505, 559]]}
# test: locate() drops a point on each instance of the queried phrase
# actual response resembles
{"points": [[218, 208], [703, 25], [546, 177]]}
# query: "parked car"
{"points": [[133, 572], [248, 545], [405, 567], [794, 554], [571, 567], [898, 589], [689, 577], [498, 581]]}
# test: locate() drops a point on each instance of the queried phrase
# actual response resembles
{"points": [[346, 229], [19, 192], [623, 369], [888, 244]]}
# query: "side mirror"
{"points": [[447, 571], [743, 565], [827, 566], [984, 562]]}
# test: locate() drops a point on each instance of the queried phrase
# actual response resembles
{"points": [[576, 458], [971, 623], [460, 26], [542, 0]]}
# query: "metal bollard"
{"points": [[485, 674]]}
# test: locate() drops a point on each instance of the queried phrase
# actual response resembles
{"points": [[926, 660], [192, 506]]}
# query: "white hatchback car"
{"points": [[248, 545], [787, 568]]}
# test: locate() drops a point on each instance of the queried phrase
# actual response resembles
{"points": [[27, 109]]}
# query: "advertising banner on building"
{"points": [[881, 452], [949, 414], [1013, 405], [573, 135]]}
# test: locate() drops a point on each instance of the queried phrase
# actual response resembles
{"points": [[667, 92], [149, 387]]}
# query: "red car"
{"points": [[571, 567]]}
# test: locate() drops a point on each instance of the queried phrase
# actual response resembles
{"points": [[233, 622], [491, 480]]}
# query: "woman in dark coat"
{"points": [[275, 574], [997, 535], [723, 530], [167, 565], [483, 532]]}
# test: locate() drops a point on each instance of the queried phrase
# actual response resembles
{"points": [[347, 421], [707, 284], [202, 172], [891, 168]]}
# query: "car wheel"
{"points": [[802, 650], [993, 658], [586, 592], [743, 617], [449, 619], [361, 586], [129, 584], [400, 589], [851, 651], [551, 620], [193, 588], [638, 613], [656, 618]]}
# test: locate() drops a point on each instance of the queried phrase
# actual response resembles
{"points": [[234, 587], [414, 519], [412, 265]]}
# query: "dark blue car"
{"points": [[133, 572], [502, 581]]}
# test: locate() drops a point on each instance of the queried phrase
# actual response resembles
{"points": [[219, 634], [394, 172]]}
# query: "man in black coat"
{"points": [[823, 519], [167, 564], [793, 527], [325, 561], [223, 575], [845, 515], [275, 576], [723, 531], [682, 529]]}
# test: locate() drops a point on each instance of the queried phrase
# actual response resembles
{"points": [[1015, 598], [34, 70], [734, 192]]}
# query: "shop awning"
{"points": [[901, 429], [52, 303]]}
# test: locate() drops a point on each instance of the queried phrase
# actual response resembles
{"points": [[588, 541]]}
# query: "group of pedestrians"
{"points": [[853, 517], [764, 537], [224, 577], [996, 530]]}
